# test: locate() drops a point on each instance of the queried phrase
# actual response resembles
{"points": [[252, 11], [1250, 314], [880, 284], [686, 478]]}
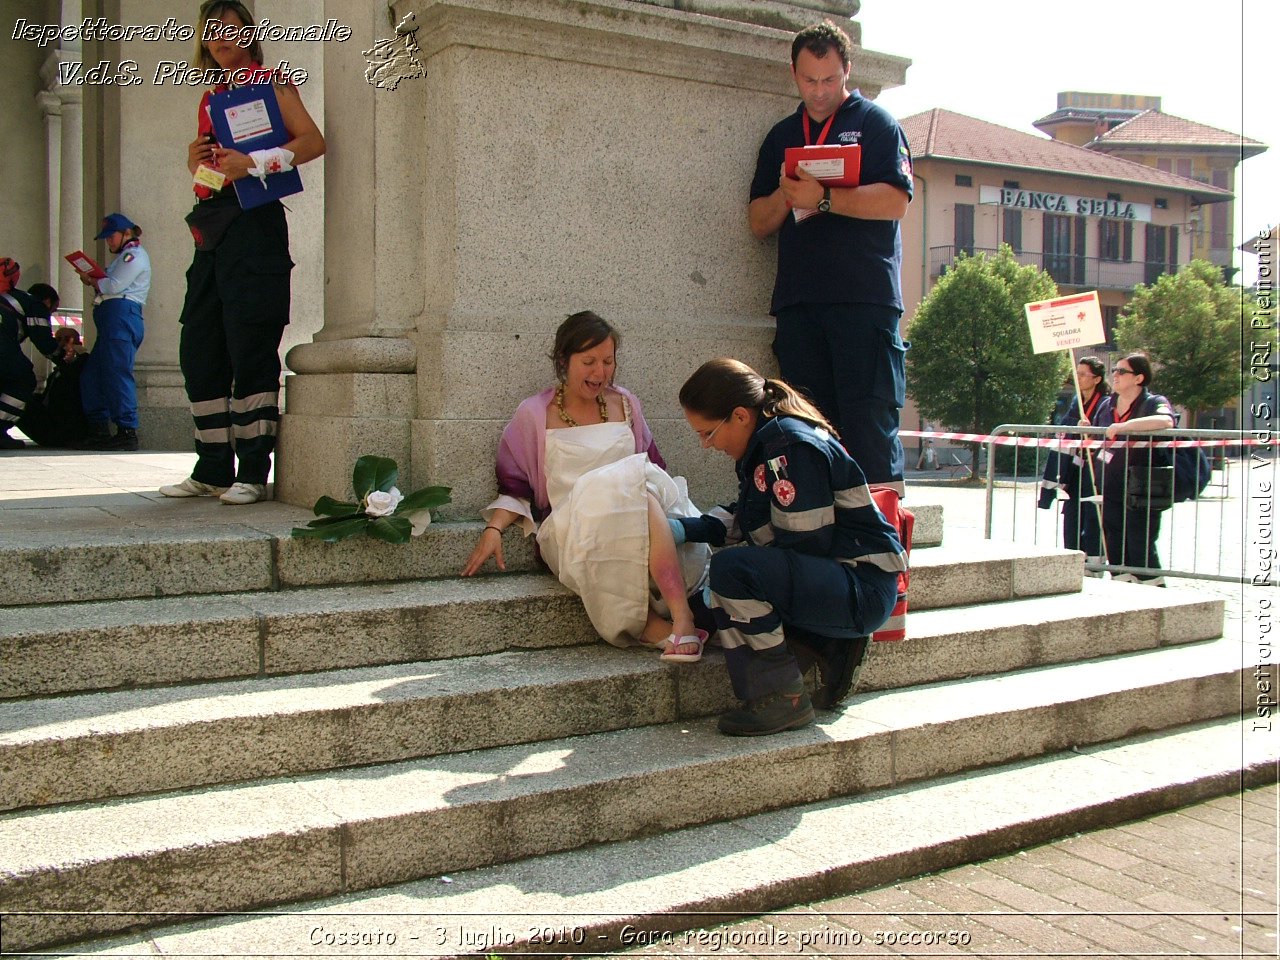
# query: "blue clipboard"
{"points": [[247, 119]]}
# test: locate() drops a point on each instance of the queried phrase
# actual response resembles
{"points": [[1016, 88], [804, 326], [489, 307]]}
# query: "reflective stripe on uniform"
{"points": [[802, 521], [853, 497], [207, 408], [255, 401], [258, 428]]}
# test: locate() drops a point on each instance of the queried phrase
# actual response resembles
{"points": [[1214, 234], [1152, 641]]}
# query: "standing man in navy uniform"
{"points": [[107, 389], [22, 315], [838, 293]]}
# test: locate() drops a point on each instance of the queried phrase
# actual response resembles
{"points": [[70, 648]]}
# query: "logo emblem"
{"points": [[785, 492], [761, 485], [394, 59]]}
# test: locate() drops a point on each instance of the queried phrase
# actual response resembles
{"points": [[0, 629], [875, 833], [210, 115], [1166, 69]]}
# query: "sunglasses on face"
{"points": [[1125, 371]]}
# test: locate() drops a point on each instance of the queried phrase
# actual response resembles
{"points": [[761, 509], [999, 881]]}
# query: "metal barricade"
{"points": [[1203, 538]]}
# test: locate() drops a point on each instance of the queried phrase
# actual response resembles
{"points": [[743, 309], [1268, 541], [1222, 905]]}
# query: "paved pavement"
{"points": [[1200, 882]]}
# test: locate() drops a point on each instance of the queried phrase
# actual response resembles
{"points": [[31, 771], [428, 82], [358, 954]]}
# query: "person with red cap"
{"points": [[21, 316], [107, 389]]}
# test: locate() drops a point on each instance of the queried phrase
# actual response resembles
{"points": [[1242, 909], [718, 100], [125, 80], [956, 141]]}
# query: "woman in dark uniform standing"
{"points": [[237, 303]]}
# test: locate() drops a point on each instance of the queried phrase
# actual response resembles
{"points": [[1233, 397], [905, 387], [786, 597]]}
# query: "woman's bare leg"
{"points": [[664, 567]]}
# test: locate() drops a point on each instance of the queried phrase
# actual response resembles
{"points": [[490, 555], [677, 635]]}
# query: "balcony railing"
{"points": [[1093, 273]]}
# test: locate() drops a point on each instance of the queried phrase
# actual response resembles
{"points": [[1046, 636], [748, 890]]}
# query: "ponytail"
{"points": [[783, 400], [720, 386]]}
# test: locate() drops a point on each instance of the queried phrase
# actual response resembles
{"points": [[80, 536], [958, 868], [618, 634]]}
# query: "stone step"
{"points": [[94, 646], [190, 553], [87, 747], [81, 871], [604, 898]]}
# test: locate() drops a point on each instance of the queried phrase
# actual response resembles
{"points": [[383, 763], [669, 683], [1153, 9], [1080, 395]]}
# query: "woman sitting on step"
{"points": [[578, 466]]}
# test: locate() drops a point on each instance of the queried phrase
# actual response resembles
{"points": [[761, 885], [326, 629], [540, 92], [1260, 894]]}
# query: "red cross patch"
{"points": [[273, 166], [785, 492], [761, 484]]}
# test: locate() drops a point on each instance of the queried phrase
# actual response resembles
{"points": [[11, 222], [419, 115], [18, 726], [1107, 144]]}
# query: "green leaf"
{"points": [[329, 521], [373, 473], [391, 529], [332, 530], [329, 507], [428, 498]]}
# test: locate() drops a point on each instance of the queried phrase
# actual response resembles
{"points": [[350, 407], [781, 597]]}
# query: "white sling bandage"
{"points": [[275, 160]]}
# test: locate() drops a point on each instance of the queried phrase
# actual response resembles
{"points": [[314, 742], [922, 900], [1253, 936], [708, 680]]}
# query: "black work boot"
{"points": [[97, 438], [838, 664], [125, 439], [784, 710]]}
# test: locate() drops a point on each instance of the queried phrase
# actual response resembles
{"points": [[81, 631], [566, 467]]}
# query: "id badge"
{"points": [[208, 177]]}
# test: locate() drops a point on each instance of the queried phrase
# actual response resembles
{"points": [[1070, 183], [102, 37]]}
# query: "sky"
{"points": [[1005, 61]]}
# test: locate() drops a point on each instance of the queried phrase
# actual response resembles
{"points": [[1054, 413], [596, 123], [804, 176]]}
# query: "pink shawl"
{"points": [[521, 471]]}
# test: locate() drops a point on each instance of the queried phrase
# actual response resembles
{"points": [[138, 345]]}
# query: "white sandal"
{"points": [[673, 643]]}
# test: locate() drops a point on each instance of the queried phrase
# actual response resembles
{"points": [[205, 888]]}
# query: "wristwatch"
{"points": [[825, 203]]}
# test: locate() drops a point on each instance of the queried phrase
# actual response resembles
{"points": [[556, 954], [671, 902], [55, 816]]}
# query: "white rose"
{"points": [[382, 504]]}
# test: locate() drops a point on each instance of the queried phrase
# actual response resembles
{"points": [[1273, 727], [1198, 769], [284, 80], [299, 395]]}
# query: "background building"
{"points": [[1133, 127], [1092, 220]]}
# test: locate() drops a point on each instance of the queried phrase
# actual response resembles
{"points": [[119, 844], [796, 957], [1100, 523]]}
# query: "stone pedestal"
{"points": [[556, 157]]}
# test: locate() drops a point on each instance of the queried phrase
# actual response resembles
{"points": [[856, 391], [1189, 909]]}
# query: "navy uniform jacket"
{"points": [[798, 489], [23, 316], [1120, 459]]}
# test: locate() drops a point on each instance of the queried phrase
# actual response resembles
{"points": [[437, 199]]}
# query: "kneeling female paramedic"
{"points": [[819, 557]]}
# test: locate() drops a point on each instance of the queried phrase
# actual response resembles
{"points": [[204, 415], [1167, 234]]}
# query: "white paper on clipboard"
{"points": [[248, 120]]}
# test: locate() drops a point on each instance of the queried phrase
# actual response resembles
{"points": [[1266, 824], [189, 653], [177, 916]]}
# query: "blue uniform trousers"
{"points": [[755, 590], [107, 389], [17, 380], [850, 360]]}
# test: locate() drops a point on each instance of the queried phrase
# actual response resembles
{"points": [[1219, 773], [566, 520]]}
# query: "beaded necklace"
{"points": [[604, 410]]}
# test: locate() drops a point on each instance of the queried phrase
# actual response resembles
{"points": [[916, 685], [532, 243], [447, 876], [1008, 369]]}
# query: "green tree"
{"points": [[971, 366], [1189, 324]]}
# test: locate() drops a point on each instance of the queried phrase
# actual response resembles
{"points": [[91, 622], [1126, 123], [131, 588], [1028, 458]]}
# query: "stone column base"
{"points": [[317, 447]]}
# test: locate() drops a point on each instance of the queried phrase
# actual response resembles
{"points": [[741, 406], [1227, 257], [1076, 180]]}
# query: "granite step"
{"points": [[167, 552], [65, 648], [92, 869], [92, 746], [650, 890]]}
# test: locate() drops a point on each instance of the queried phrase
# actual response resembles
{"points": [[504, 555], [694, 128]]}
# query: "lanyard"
{"points": [[1116, 418], [1092, 405], [808, 139]]}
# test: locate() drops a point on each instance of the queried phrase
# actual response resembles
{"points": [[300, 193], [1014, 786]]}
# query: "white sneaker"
{"points": [[241, 493], [191, 487]]}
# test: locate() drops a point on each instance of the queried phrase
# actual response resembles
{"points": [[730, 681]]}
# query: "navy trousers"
{"points": [[850, 361], [755, 590]]}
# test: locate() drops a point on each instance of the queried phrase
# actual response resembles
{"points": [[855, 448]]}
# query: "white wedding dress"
{"points": [[596, 539]]}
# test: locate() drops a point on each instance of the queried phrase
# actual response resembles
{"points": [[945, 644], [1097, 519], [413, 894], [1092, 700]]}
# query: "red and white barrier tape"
{"points": [[1078, 443]]}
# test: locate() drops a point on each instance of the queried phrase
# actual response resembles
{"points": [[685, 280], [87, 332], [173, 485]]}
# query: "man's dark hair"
{"points": [[821, 38], [42, 291]]}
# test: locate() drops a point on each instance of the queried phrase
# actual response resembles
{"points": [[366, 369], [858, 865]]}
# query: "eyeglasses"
{"points": [[1117, 371], [705, 437]]}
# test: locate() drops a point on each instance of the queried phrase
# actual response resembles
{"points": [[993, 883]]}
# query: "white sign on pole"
{"points": [[1065, 322]]}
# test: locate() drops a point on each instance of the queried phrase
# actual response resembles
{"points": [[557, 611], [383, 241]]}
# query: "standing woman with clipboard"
{"points": [[237, 303]]}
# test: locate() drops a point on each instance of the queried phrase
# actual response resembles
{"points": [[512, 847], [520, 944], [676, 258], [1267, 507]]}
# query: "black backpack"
{"points": [[1191, 470]]}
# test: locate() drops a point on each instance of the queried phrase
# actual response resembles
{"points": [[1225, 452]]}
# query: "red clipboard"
{"points": [[85, 265], [836, 164]]}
